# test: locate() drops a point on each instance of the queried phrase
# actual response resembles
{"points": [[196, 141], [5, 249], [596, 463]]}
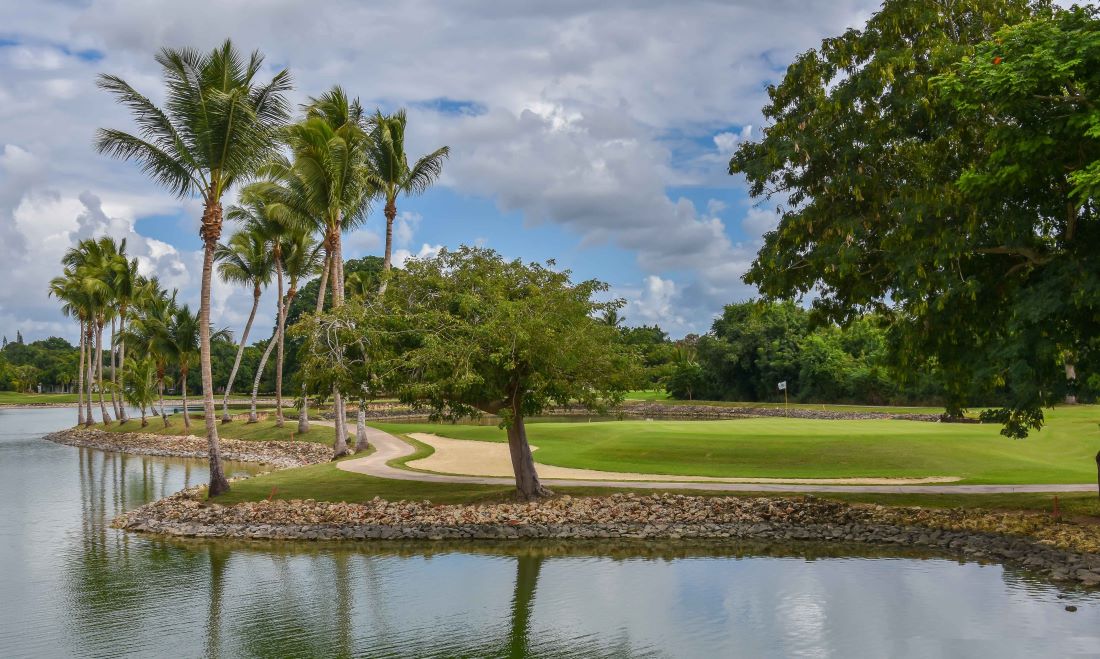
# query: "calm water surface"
{"points": [[73, 587]]}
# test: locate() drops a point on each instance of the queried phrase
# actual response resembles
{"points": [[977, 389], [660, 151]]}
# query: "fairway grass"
{"points": [[1063, 452], [261, 431]]}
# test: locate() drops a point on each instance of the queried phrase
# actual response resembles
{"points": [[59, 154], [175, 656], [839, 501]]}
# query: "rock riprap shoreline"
{"points": [[276, 454], [1060, 551]]}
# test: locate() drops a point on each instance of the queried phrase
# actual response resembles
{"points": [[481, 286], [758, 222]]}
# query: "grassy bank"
{"points": [[261, 431], [326, 482], [1063, 452]]}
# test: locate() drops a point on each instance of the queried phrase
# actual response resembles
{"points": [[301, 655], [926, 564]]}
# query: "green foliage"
{"points": [[942, 179], [53, 360], [467, 332]]}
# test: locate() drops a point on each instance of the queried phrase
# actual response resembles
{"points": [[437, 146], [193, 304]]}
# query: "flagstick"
{"points": [[785, 412]]}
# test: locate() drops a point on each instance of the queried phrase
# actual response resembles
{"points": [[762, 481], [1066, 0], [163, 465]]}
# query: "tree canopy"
{"points": [[936, 167]]}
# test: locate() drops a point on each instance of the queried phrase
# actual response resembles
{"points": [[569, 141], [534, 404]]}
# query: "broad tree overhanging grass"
{"points": [[218, 124], [467, 332], [948, 180]]}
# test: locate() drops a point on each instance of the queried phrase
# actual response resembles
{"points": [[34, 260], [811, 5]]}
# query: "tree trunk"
{"points": [[340, 445], [240, 353], [106, 416], [114, 377], [280, 315], [303, 411], [160, 391], [1071, 381], [1098, 472], [144, 421], [186, 415], [80, 381], [90, 379], [361, 441], [122, 416], [523, 465], [252, 418], [387, 263], [211, 232]]}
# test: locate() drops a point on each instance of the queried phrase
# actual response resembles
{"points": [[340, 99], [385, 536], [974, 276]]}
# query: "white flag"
{"points": [[783, 385]]}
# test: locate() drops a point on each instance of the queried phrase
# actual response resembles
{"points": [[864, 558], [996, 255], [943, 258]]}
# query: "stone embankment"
{"points": [[277, 454], [1060, 551]]}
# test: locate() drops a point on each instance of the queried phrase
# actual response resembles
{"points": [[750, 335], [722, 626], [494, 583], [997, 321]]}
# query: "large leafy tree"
{"points": [[864, 156], [468, 332], [219, 123], [1032, 265]]}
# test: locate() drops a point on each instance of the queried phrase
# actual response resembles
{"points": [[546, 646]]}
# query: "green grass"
{"points": [[646, 394], [662, 397], [326, 482], [1063, 452], [260, 431]]}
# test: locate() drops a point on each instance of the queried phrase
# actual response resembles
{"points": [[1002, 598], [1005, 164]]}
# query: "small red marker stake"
{"points": [[272, 495], [1057, 512]]}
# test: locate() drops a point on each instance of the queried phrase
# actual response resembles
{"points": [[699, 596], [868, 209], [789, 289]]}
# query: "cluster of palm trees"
{"points": [[101, 286], [302, 185]]}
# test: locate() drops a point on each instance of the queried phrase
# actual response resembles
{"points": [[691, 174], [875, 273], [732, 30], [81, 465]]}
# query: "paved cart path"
{"points": [[389, 447]]}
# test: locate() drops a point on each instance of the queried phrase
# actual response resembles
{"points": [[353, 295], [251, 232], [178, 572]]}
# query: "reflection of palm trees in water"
{"points": [[218, 558]]}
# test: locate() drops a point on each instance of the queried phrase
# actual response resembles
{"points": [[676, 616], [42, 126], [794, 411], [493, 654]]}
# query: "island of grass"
{"points": [[1060, 453]]}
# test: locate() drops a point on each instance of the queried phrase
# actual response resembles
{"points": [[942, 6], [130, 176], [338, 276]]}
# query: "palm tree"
{"points": [[218, 125], [149, 330], [389, 171], [245, 259], [90, 261], [300, 256], [325, 188], [123, 277], [66, 288], [139, 386], [184, 339]]}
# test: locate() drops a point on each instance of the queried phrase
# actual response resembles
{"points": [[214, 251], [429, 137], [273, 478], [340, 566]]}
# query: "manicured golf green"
{"points": [[1063, 452]]}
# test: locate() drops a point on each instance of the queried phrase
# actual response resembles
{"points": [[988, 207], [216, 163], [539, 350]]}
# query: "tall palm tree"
{"points": [[219, 123], [389, 171], [90, 261], [66, 288], [123, 277], [324, 187], [300, 256], [245, 259]]}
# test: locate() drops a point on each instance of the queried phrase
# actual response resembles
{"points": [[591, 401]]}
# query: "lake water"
{"points": [[71, 586]]}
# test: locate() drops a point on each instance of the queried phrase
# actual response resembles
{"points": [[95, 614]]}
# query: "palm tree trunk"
{"points": [[280, 316], [114, 376], [303, 412], [252, 418], [106, 416], [183, 387], [122, 416], [240, 353], [144, 421], [211, 232], [340, 445], [160, 391], [80, 380], [361, 441], [88, 419]]}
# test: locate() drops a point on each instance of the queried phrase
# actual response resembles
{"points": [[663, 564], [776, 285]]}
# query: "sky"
{"points": [[597, 134]]}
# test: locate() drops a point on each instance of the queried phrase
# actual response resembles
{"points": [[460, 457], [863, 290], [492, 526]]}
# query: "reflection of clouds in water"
{"points": [[800, 614]]}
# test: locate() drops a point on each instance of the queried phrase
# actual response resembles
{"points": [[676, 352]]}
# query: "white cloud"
{"points": [[426, 251], [578, 100]]}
